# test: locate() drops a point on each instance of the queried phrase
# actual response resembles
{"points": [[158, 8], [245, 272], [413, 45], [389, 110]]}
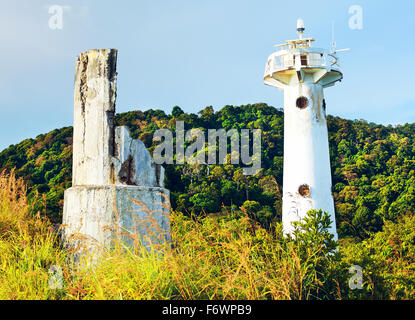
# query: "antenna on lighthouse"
{"points": [[334, 50], [300, 28]]}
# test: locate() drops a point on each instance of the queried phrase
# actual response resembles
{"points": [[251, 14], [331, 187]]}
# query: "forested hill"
{"points": [[373, 167]]}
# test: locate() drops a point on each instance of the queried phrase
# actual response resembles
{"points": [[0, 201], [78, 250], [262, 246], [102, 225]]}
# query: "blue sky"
{"points": [[195, 53]]}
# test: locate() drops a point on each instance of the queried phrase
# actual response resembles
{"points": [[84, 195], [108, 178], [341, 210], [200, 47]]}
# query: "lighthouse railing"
{"points": [[286, 59]]}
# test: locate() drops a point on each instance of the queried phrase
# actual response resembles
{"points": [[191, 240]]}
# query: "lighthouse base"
{"points": [[296, 207]]}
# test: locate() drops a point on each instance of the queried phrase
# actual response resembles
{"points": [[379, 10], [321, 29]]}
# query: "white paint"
{"points": [[306, 155], [302, 71]]}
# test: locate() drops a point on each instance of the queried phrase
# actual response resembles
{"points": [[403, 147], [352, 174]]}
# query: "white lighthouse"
{"points": [[303, 72]]}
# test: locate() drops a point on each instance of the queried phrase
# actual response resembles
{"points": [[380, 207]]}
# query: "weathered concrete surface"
{"points": [[94, 108], [133, 162], [117, 189], [96, 215]]}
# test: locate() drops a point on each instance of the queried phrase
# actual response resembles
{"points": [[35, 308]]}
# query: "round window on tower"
{"points": [[304, 190], [302, 102]]}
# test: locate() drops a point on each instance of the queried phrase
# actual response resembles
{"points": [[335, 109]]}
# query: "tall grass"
{"points": [[28, 245], [209, 258]]}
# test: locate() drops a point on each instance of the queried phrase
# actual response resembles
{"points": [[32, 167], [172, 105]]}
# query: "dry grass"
{"points": [[210, 258], [28, 245]]}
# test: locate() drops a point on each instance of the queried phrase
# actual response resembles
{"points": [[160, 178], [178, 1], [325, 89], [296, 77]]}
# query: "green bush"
{"points": [[387, 260]]}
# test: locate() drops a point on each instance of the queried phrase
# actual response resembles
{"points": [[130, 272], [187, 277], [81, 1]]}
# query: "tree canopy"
{"points": [[373, 167]]}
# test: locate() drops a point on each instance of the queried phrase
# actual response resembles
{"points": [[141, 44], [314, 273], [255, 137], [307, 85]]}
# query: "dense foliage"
{"points": [[373, 167]]}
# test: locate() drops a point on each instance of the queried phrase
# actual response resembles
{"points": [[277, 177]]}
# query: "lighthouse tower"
{"points": [[303, 72]]}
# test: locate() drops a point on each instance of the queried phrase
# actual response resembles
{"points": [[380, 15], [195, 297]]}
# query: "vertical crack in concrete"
{"points": [[157, 170], [83, 89], [111, 72], [111, 129], [112, 174]]}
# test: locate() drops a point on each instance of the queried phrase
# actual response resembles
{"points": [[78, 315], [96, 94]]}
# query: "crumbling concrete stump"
{"points": [[117, 189]]}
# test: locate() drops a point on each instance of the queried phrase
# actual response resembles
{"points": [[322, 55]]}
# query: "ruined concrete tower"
{"points": [[302, 72], [115, 183]]}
